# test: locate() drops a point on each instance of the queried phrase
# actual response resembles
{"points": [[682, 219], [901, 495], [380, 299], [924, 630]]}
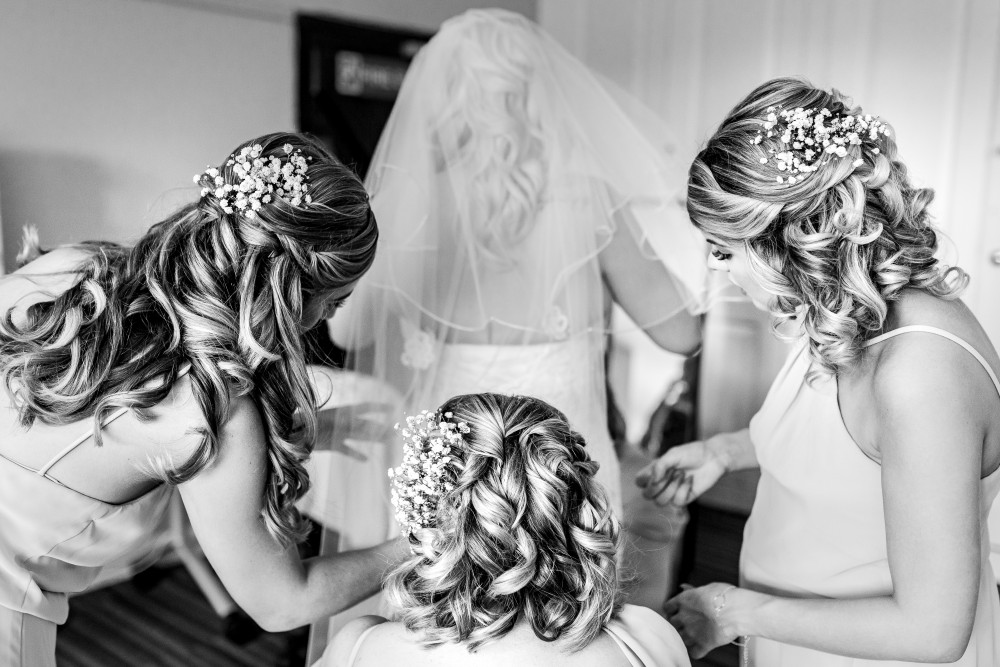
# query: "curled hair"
{"points": [[836, 247], [526, 533], [220, 291], [490, 129]]}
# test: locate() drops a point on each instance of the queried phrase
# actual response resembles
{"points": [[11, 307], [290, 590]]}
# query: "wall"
{"points": [[111, 106]]}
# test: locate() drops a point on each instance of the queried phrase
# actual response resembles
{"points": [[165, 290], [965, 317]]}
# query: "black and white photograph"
{"points": [[478, 333]]}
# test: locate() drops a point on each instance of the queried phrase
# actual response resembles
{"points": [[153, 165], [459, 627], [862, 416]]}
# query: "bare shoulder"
{"points": [[922, 379], [174, 427], [907, 362], [338, 654]]}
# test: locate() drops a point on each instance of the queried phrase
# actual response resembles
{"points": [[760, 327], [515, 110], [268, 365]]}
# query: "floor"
{"points": [[161, 619]]}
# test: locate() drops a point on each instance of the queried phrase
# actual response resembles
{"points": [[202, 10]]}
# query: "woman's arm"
{"points": [[272, 584], [647, 292], [930, 433], [686, 471]]}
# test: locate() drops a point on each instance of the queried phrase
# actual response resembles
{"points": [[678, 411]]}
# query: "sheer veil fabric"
{"points": [[506, 167]]}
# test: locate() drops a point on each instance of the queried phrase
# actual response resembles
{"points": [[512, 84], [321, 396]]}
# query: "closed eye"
{"points": [[721, 256]]}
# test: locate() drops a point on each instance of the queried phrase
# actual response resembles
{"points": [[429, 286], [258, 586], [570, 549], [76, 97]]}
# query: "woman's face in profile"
{"points": [[323, 305], [733, 261]]}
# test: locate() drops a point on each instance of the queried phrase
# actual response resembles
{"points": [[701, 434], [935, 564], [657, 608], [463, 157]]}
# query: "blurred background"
{"points": [[105, 103]]}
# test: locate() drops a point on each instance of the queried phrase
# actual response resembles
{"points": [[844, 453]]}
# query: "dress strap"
{"points": [[944, 334], [84, 437], [357, 646]]}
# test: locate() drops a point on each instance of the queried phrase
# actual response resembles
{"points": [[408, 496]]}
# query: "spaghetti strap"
{"points": [[44, 470], [944, 334], [357, 646]]}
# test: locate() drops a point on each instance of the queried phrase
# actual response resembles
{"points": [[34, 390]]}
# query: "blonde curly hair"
{"points": [[490, 127], [527, 533], [218, 290], [833, 249]]}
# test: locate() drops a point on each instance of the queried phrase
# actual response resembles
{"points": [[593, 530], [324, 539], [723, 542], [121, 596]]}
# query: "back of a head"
{"points": [[489, 123], [833, 232], [525, 533], [220, 284]]}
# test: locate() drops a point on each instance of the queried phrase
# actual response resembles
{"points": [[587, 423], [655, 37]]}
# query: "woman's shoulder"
{"points": [[650, 638], [916, 352], [917, 369], [341, 651], [173, 428]]}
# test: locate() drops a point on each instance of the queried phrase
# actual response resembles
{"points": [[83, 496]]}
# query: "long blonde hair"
{"points": [[815, 245], [220, 291], [490, 128], [526, 533]]}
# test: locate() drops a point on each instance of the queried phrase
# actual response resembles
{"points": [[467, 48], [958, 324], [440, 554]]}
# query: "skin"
{"points": [[223, 501], [392, 643], [924, 409]]}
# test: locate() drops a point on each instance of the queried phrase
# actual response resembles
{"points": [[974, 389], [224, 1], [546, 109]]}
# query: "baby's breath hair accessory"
{"points": [[420, 482], [261, 180], [811, 137]]}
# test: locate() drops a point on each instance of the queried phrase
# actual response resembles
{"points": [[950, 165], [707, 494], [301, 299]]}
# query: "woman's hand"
{"points": [[695, 613], [682, 474]]}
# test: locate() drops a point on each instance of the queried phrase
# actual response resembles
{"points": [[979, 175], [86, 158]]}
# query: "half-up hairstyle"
{"points": [[833, 248], [490, 128], [221, 291], [526, 533]]}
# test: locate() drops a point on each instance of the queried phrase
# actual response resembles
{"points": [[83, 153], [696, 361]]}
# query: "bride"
{"points": [[517, 200]]}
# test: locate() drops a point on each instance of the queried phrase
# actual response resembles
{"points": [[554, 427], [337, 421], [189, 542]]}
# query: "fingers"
{"points": [[682, 456], [674, 490], [686, 492]]}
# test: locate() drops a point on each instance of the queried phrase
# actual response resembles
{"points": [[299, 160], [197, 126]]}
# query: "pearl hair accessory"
{"points": [[261, 179], [420, 482], [812, 137]]}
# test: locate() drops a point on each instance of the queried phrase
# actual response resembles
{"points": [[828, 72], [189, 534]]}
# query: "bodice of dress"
{"points": [[55, 541]]}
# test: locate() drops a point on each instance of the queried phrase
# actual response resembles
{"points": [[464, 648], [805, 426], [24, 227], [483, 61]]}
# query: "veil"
{"points": [[504, 171]]}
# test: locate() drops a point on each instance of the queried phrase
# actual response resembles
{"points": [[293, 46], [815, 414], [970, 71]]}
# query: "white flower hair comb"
{"points": [[420, 482], [811, 137], [261, 180]]}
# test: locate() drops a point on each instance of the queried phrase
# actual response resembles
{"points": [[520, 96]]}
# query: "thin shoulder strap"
{"points": [[357, 646], [944, 334], [84, 437]]}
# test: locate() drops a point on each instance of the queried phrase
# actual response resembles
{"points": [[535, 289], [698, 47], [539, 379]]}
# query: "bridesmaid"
{"points": [[178, 363], [879, 442]]}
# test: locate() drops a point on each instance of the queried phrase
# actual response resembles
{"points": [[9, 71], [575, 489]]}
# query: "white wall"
{"points": [[109, 107]]}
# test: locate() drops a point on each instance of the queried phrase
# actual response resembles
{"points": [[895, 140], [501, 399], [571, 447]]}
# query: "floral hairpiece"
{"points": [[261, 179], [812, 136], [420, 482]]}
